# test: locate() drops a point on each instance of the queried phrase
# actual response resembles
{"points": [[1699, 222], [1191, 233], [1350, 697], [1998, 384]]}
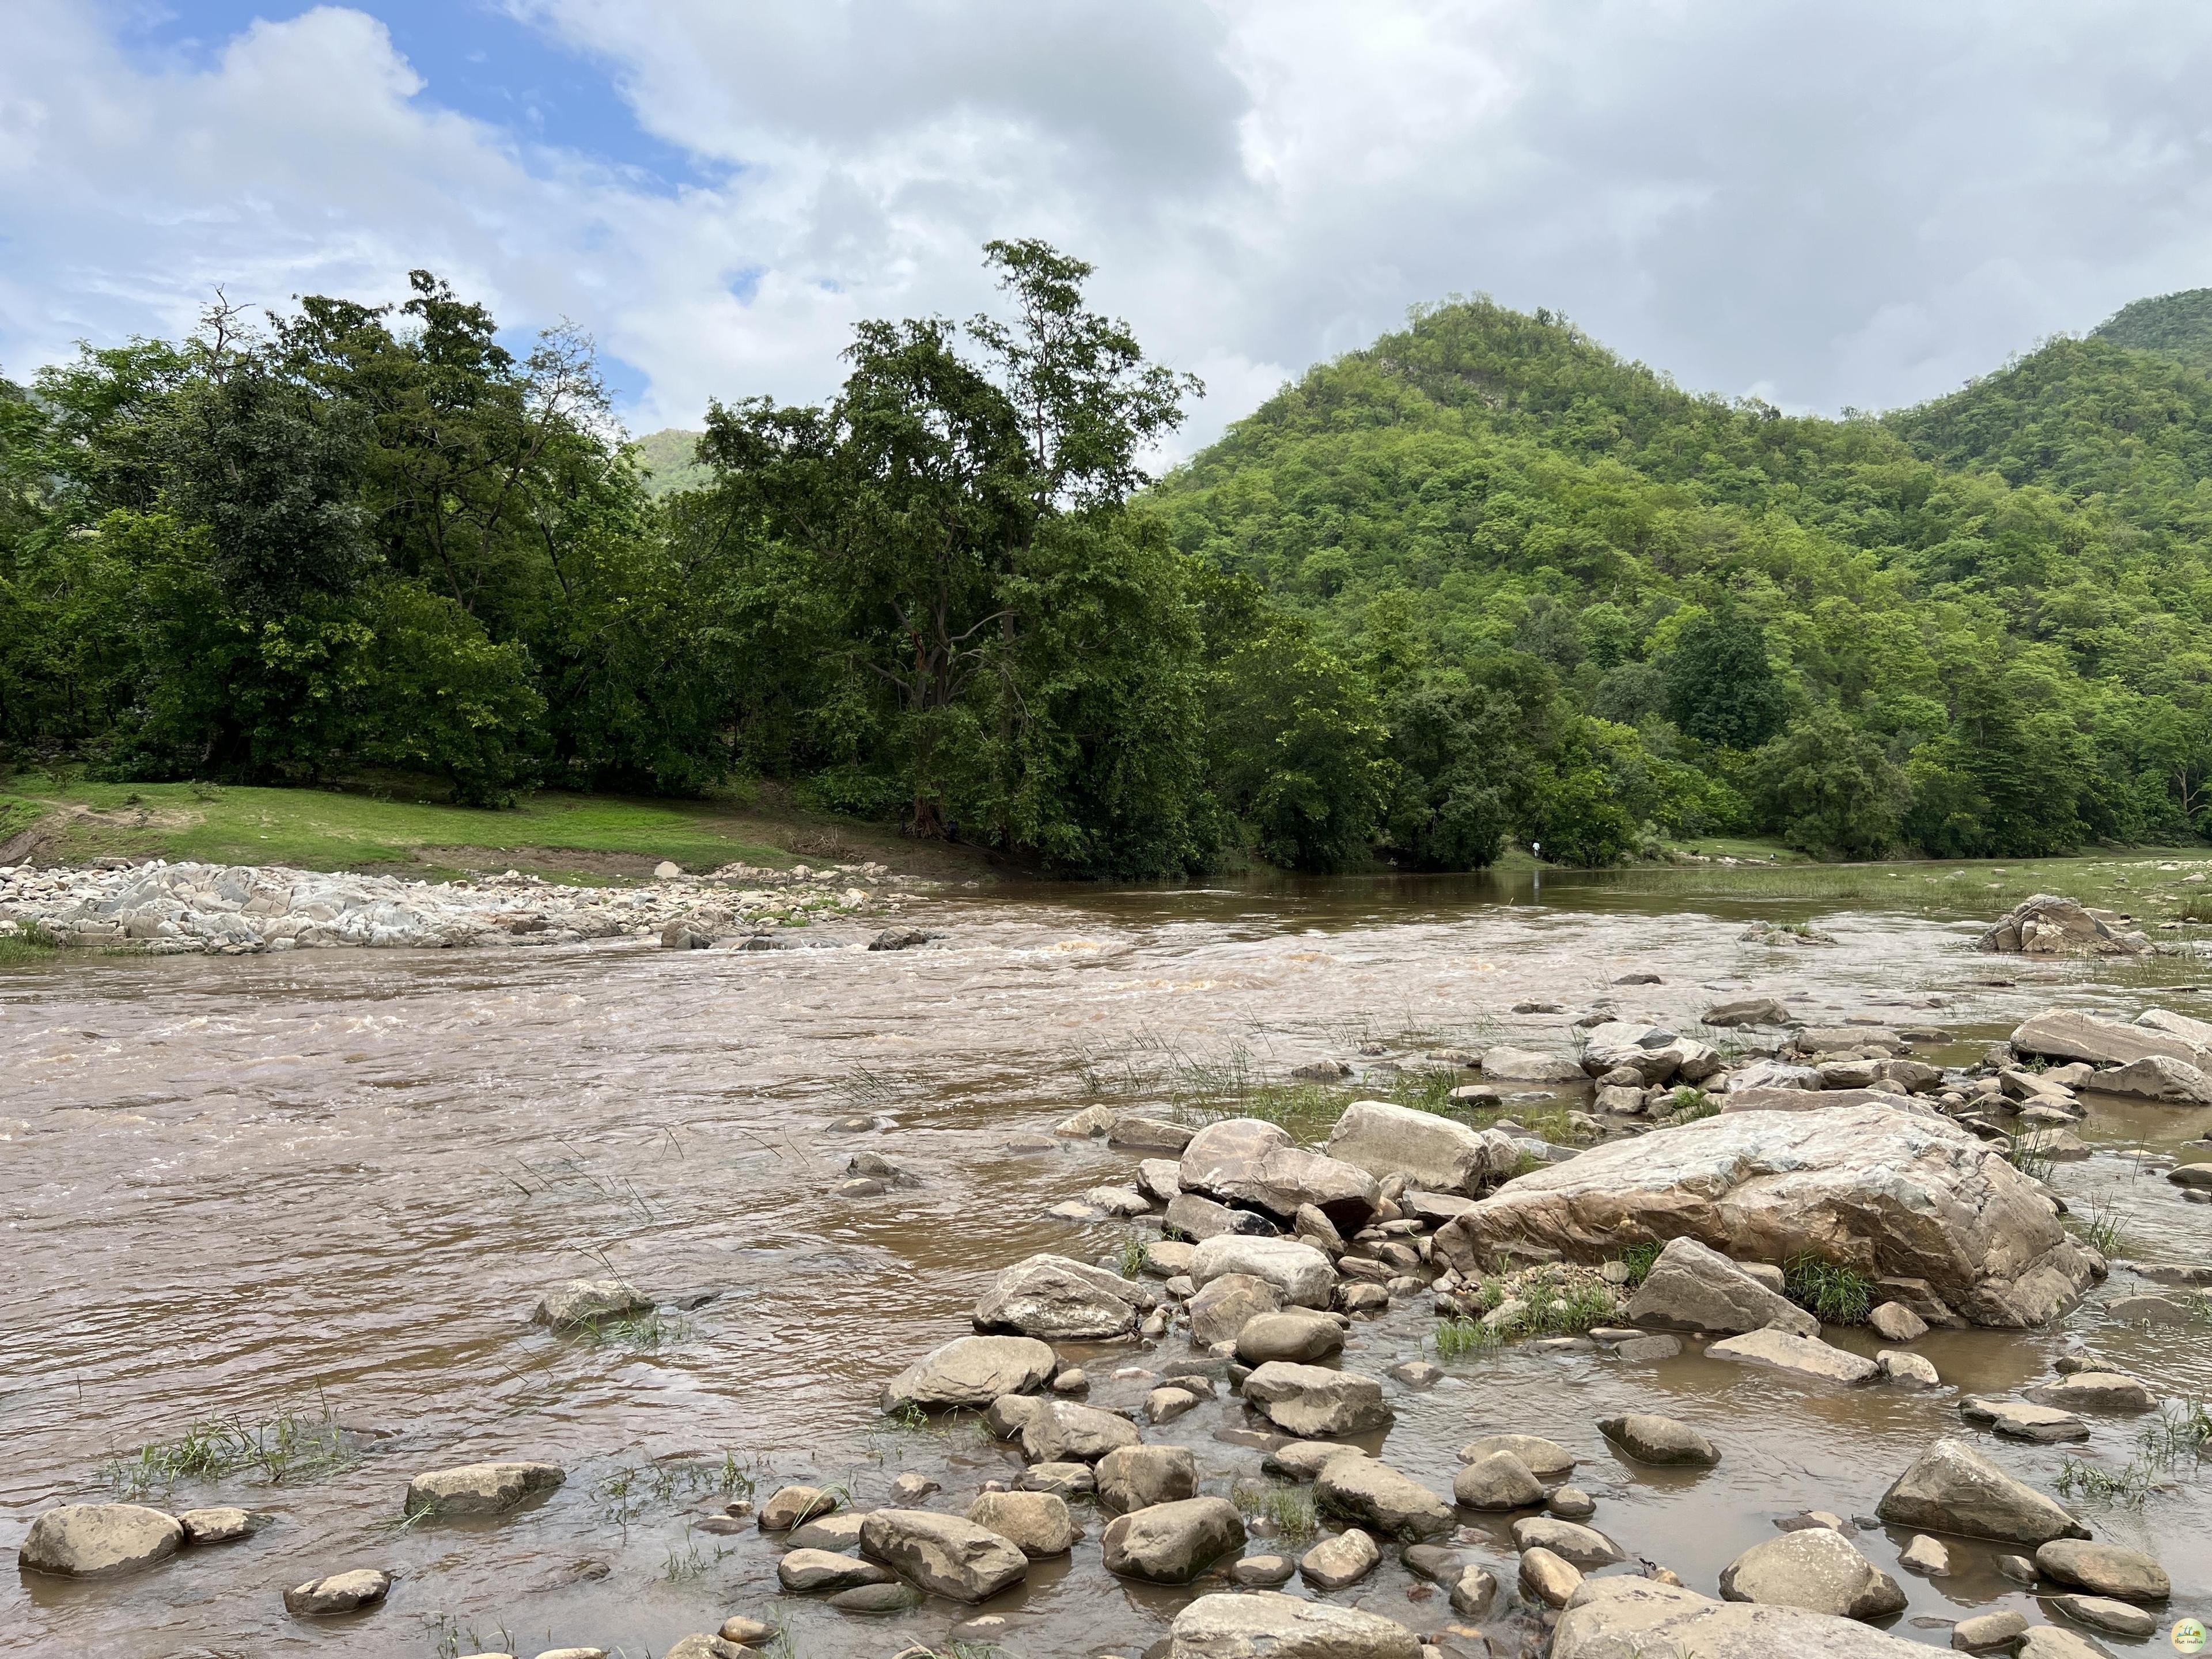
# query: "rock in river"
{"points": [[91, 1541], [1062, 1431], [972, 1372], [1614, 1617], [1433, 1153], [1267, 1625], [588, 1301], [2105, 1570], [1815, 1569], [1298, 1335], [337, 1593], [1300, 1273], [1951, 1487], [1227, 1304], [1315, 1403], [1693, 1287], [1578, 1546], [1172, 1543], [479, 1488], [804, 1570], [1499, 1481], [2062, 1035], [1058, 1299], [1038, 1522], [1246, 1162], [942, 1554], [1802, 1356], [216, 1523], [1341, 1562], [1546, 1460], [1890, 1192], [1379, 1496], [1509, 1064], [1649, 1438], [1137, 1477]]}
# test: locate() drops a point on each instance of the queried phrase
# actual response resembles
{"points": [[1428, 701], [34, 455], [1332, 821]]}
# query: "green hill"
{"points": [[2177, 325], [1987, 615], [671, 461]]}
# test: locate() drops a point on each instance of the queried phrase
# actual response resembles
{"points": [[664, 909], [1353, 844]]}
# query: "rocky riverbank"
{"points": [[158, 909]]}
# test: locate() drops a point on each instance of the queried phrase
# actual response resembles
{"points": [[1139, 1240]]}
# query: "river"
{"points": [[329, 1186]]}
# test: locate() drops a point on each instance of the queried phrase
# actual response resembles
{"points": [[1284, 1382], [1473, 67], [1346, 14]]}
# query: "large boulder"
{"points": [[1315, 1403], [2059, 1034], [2105, 1570], [1035, 1522], [1298, 1334], [92, 1541], [479, 1488], [1137, 1477], [1198, 1217], [1250, 1163], [1616, 1618], [1172, 1543], [2156, 1077], [1300, 1273], [942, 1554], [1496, 1480], [972, 1370], [2050, 926], [1063, 1431], [1057, 1300], [1546, 1460], [1953, 1488], [1225, 1305], [1894, 1194], [1655, 1053], [1433, 1153], [1815, 1569], [1378, 1497], [1692, 1287], [1268, 1625]]}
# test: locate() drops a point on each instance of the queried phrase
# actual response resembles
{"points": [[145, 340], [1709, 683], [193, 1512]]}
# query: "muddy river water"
{"points": [[331, 1184]]}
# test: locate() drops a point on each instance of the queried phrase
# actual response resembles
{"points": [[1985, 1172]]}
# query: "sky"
{"points": [[1824, 206]]}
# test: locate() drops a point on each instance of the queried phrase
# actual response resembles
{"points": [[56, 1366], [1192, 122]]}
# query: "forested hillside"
{"points": [[1976, 627], [1481, 583]]}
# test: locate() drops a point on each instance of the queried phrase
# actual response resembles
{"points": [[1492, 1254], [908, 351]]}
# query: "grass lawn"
{"points": [[590, 837]]}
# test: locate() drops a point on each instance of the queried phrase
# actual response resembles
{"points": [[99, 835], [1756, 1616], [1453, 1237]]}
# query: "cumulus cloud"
{"points": [[1820, 206]]}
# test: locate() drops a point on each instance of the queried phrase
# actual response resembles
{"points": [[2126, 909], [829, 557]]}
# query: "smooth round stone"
{"points": [[1264, 1570]]}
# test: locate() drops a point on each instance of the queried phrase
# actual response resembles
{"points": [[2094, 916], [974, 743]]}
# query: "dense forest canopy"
{"points": [[1482, 583]]}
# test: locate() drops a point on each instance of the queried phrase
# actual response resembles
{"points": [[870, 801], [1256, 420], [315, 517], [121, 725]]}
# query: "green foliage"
{"points": [[1833, 1294], [1638, 1259], [1825, 787]]}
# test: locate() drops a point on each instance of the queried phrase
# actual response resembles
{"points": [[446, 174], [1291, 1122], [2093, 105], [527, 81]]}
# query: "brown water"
{"points": [[340, 1179]]}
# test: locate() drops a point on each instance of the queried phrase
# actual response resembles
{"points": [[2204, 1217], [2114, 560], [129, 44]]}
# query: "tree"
{"points": [[1721, 689], [1454, 766], [1827, 788]]}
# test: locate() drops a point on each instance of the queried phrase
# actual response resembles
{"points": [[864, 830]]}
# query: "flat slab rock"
{"points": [[1267, 1624], [1615, 1617], [480, 1488], [942, 1554], [1801, 1356], [1895, 1192]]}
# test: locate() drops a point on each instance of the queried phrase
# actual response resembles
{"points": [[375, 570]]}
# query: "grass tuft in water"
{"points": [[1833, 1293], [1455, 1338], [2129, 1486], [644, 1331], [1136, 1251], [2100, 1228], [1289, 1508], [2026, 1154], [291, 1448]]}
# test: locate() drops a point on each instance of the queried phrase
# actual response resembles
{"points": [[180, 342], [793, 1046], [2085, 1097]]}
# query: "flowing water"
{"points": [[330, 1185]]}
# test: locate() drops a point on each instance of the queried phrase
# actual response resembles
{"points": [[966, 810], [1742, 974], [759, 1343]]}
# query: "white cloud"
{"points": [[1862, 206]]}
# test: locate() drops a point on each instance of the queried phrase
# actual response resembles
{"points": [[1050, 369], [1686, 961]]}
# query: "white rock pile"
{"points": [[162, 909]]}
